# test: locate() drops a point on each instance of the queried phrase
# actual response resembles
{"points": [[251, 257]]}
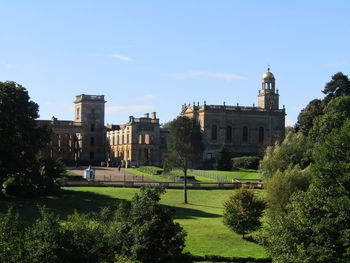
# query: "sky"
{"points": [[147, 56]]}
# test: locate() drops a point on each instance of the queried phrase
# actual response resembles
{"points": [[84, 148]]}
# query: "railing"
{"points": [[170, 185]]}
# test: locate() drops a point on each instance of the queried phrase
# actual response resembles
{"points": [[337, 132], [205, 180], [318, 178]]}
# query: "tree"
{"points": [[293, 151], [20, 137], [146, 229], [307, 116], [337, 87], [280, 188], [242, 212], [184, 146], [335, 113], [223, 160], [315, 227]]}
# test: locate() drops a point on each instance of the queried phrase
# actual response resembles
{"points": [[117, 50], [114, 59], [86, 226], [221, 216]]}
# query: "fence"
{"points": [[174, 185]]}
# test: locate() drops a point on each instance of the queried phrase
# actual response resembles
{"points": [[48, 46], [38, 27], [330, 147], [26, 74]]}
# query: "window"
{"points": [[214, 132], [93, 111], [261, 134], [140, 139], [245, 134], [92, 127], [209, 156], [78, 113], [229, 133], [92, 156], [147, 139], [127, 139], [92, 141]]}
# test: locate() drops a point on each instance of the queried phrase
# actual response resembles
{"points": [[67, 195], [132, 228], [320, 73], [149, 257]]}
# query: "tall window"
{"points": [[78, 113], [92, 156], [245, 134], [92, 141], [146, 138], [228, 133], [214, 132], [261, 134], [92, 128]]}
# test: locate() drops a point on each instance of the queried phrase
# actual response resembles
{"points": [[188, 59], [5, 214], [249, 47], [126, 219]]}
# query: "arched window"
{"points": [[146, 138], [261, 134], [228, 133], [245, 134], [214, 132]]}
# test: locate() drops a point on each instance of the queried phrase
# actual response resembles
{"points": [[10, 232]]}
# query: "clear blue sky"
{"points": [[149, 56]]}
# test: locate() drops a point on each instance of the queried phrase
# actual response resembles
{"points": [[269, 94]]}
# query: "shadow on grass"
{"points": [[63, 204], [67, 201]]}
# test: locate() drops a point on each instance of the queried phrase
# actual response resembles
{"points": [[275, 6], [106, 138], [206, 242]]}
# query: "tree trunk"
{"points": [[185, 184]]}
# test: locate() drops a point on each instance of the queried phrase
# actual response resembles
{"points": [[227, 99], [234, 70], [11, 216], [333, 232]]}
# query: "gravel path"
{"points": [[111, 174]]}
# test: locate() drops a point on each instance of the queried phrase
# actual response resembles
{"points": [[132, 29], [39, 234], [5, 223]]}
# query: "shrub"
{"points": [[242, 212], [245, 162]]}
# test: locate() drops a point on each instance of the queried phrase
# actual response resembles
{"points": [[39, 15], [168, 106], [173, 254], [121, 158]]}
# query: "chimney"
{"points": [[131, 118], [154, 116], [146, 115]]}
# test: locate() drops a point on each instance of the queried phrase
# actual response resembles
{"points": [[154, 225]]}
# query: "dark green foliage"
{"points": [[335, 113], [20, 137], [337, 87], [185, 146], [307, 116], [140, 231], [246, 162], [315, 227], [223, 160], [148, 233], [43, 239], [11, 238], [242, 212]]}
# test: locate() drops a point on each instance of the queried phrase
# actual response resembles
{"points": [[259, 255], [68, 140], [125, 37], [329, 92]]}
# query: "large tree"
{"points": [[337, 87], [20, 137], [316, 225], [184, 146], [307, 116]]}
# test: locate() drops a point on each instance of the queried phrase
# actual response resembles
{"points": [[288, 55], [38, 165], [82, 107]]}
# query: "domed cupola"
{"points": [[268, 98], [268, 81]]}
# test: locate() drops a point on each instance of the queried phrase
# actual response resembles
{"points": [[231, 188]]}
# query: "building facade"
{"points": [[243, 130], [83, 140], [141, 141]]}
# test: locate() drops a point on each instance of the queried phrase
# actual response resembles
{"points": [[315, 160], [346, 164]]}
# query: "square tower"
{"points": [[90, 114]]}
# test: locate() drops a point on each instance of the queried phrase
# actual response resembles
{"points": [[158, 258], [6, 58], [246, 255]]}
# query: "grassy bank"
{"points": [[202, 218]]}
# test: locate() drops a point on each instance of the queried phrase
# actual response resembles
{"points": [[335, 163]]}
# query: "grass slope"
{"points": [[241, 174], [202, 218]]}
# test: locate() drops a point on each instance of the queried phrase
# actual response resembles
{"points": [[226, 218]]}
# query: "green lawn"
{"points": [[241, 174], [151, 176], [202, 218]]}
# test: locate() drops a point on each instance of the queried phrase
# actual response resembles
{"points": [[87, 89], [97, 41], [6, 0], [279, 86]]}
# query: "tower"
{"points": [[90, 114], [268, 97]]}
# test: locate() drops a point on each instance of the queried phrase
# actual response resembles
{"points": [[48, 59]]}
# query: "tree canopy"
{"points": [[20, 137], [337, 87], [242, 212], [223, 160]]}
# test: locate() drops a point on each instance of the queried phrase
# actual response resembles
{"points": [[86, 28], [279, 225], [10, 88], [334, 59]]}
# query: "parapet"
{"points": [[84, 97]]}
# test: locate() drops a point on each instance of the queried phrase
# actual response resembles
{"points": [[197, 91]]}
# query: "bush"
{"points": [[139, 231], [242, 212], [245, 162]]}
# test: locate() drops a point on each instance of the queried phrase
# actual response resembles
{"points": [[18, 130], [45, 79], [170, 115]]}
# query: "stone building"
{"points": [[243, 130], [86, 140], [83, 140], [141, 141]]}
